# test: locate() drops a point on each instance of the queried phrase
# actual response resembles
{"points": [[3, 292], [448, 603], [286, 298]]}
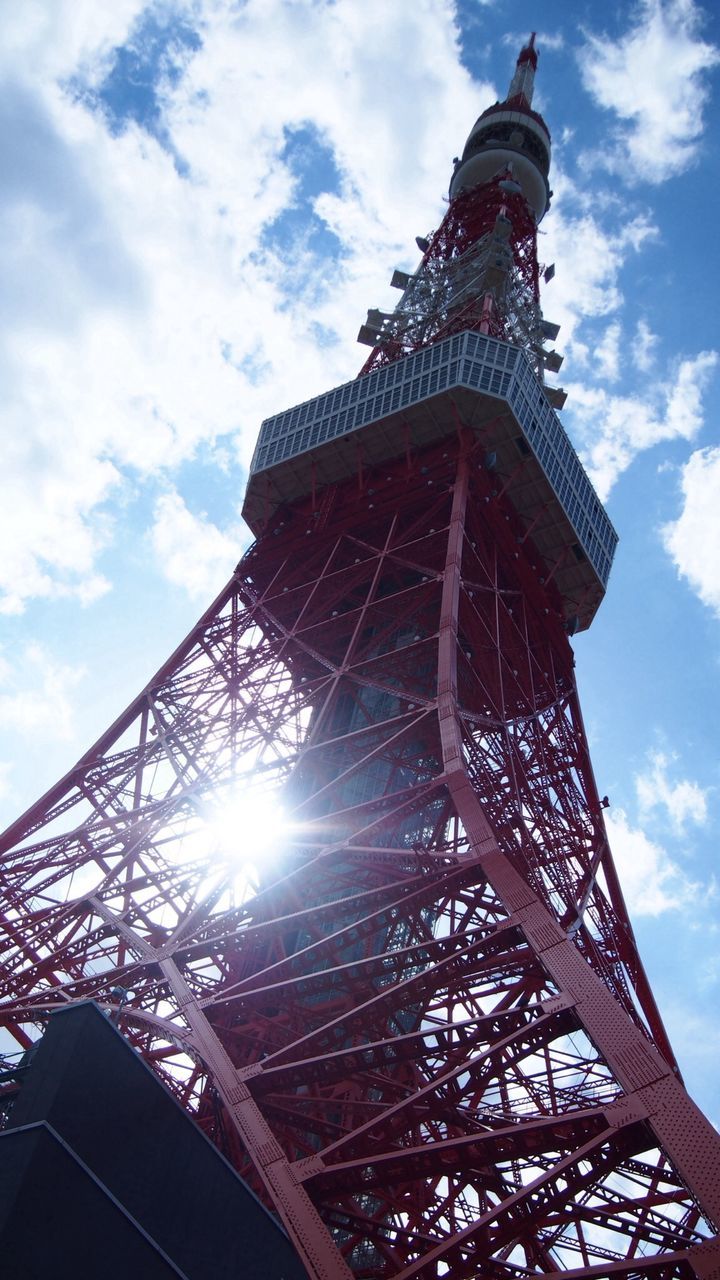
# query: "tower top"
{"points": [[510, 135], [523, 81]]}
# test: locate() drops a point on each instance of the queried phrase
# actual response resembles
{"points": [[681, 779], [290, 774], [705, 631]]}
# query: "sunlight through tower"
{"points": [[413, 1015]]}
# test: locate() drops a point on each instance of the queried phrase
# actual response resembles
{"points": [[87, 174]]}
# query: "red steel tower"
{"points": [[421, 1028]]}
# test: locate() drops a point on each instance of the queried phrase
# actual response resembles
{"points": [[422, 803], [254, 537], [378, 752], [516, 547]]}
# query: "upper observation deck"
{"points": [[509, 134], [491, 386]]}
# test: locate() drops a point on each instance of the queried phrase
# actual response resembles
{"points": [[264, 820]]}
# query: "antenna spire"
{"points": [[523, 81]]}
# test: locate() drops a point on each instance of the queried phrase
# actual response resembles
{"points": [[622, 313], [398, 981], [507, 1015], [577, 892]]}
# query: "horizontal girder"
{"points": [[423, 1032]]}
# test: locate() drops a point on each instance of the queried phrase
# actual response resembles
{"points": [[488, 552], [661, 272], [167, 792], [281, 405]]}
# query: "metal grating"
{"points": [[464, 360]]}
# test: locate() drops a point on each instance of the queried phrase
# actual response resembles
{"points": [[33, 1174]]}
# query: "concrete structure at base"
{"points": [[102, 1173]]}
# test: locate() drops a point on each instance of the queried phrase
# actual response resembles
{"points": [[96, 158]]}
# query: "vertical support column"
{"points": [[688, 1139], [303, 1223]]}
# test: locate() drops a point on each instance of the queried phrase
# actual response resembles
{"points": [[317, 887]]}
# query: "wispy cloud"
{"points": [[652, 79], [592, 247], [651, 881], [613, 429], [607, 353], [693, 539], [36, 694], [191, 551], [643, 347], [543, 39], [680, 801], [136, 338]]}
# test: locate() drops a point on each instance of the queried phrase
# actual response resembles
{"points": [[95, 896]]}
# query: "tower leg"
{"points": [[424, 1036]]}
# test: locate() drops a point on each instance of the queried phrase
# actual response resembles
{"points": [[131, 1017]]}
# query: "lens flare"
{"points": [[247, 829]]}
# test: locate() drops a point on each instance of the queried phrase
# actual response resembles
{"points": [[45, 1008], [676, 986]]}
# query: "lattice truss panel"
{"points": [[480, 271], [424, 1034]]}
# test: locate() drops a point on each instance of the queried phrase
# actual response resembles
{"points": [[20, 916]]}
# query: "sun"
{"points": [[248, 828]]}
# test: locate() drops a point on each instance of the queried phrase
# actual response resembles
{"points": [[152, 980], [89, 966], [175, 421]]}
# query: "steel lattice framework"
{"points": [[480, 271], [431, 1032], [424, 1033]]}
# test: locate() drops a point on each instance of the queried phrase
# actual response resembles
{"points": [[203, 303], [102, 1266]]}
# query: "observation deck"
{"points": [[491, 387]]}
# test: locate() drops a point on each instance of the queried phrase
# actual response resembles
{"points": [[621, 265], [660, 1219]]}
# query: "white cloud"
{"points": [[613, 429], [5, 777], [145, 312], [683, 802], [190, 550], [694, 538], [516, 40], [133, 337], [643, 347], [590, 253], [651, 78], [694, 1031], [57, 38], [709, 971], [38, 700], [651, 882], [48, 485], [607, 353]]}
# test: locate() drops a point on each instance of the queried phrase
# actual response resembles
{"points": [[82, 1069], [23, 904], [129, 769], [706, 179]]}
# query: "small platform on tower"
{"points": [[482, 383]]}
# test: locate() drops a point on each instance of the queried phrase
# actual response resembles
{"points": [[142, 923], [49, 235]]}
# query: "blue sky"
{"points": [[198, 203]]}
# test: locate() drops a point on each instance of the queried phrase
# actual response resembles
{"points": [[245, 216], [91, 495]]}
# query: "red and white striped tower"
{"points": [[423, 1032]]}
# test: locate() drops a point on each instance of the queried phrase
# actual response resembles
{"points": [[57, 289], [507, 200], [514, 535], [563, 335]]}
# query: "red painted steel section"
{"points": [[408, 1039], [471, 218], [419, 1027]]}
